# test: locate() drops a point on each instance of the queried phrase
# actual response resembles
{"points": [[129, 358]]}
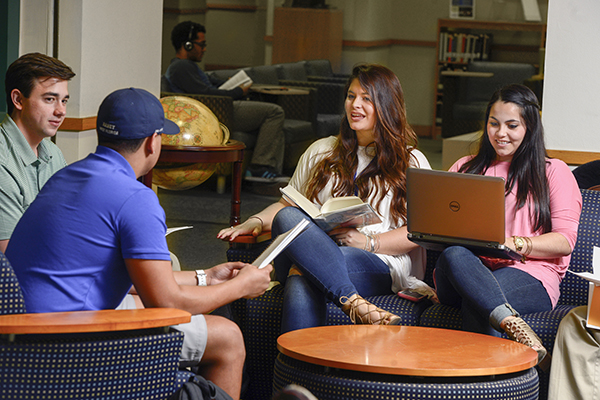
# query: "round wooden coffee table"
{"points": [[404, 362]]}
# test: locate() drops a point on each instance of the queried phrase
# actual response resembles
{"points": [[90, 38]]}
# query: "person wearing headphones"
{"points": [[185, 76]]}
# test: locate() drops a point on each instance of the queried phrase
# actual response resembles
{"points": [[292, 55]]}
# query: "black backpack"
{"points": [[198, 388]]}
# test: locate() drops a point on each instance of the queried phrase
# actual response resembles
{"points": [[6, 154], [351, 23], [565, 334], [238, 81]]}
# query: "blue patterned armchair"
{"points": [[260, 318], [109, 354]]}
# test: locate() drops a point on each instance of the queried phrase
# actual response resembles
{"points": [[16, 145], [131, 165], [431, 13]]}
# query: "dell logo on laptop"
{"points": [[454, 206]]}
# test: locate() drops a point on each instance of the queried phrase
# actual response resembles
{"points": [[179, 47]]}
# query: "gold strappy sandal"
{"points": [[361, 311], [518, 330]]}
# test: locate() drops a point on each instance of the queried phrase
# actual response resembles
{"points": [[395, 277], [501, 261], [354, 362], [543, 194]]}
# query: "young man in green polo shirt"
{"points": [[36, 96]]}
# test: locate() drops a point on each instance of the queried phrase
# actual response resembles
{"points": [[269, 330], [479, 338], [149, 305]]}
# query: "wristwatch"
{"points": [[519, 243], [201, 277]]}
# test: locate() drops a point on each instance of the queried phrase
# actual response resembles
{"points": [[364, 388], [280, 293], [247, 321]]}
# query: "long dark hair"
{"points": [[393, 141], [528, 166]]}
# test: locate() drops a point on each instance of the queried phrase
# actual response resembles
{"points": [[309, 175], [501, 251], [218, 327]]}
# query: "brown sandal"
{"points": [[518, 330], [361, 311]]}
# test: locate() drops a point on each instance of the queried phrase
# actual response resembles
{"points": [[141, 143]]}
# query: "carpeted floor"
{"points": [[208, 212]]}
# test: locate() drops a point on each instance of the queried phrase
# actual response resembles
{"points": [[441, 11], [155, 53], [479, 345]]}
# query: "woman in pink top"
{"points": [[543, 204]]}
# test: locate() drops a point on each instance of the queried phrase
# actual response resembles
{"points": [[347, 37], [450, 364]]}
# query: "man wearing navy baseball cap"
{"points": [[94, 230]]}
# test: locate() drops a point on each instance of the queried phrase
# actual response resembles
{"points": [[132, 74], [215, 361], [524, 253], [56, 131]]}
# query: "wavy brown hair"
{"points": [[393, 141]]}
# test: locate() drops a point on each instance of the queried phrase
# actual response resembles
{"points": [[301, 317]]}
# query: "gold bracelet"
{"points": [[529, 246]]}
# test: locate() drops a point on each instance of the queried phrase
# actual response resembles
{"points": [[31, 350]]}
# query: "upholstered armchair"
{"points": [[298, 126], [125, 354], [260, 318], [465, 95], [330, 95], [321, 71]]}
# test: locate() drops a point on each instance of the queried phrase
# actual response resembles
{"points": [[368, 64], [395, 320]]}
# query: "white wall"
{"points": [[36, 25], [571, 113], [109, 44]]}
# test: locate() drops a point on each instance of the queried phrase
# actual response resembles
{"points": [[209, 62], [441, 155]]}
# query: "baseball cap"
{"points": [[133, 114]]}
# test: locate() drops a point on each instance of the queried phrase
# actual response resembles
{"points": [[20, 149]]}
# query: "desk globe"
{"points": [[198, 127]]}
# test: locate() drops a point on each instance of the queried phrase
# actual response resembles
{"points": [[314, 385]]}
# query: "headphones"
{"points": [[189, 45]]}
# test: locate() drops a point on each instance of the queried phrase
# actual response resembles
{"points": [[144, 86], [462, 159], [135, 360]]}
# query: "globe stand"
{"points": [[233, 152]]}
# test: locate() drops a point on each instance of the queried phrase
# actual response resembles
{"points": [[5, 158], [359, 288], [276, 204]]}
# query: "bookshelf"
{"points": [[474, 28]]}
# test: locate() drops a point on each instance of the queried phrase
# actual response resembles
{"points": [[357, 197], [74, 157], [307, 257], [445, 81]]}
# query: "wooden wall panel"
{"points": [[307, 34]]}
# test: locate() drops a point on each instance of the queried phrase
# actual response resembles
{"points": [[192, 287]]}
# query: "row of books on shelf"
{"points": [[464, 47]]}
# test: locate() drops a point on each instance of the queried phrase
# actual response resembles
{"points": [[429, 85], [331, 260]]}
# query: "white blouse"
{"points": [[407, 270]]}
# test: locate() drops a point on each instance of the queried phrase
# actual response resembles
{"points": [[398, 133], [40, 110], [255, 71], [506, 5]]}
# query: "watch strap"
{"points": [[201, 277]]}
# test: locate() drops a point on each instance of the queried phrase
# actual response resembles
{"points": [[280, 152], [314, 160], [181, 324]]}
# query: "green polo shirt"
{"points": [[22, 174]]}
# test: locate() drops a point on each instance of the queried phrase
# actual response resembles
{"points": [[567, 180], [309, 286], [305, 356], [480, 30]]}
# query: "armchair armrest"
{"points": [[249, 239], [91, 321]]}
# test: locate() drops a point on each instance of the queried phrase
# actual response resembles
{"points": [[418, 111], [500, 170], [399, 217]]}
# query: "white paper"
{"points": [[595, 275], [179, 228], [594, 282]]}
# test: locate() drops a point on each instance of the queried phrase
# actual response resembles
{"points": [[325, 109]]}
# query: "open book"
{"points": [[279, 244], [348, 211], [240, 78]]}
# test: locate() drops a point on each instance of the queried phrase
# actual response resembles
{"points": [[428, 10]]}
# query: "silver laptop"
{"points": [[454, 209]]}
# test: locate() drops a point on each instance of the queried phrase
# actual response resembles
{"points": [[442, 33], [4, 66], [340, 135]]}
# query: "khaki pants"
{"points": [[575, 371]]}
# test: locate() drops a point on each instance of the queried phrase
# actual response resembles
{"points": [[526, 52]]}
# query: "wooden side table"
{"points": [[278, 90], [233, 151], [404, 362]]}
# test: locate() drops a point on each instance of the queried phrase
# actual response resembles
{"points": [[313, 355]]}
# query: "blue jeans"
{"points": [[486, 297], [328, 272]]}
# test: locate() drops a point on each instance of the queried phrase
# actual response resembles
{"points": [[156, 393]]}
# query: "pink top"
{"points": [[565, 209]]}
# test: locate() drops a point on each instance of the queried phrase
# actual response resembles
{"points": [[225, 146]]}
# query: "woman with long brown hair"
{"points": [[368, 159]]}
